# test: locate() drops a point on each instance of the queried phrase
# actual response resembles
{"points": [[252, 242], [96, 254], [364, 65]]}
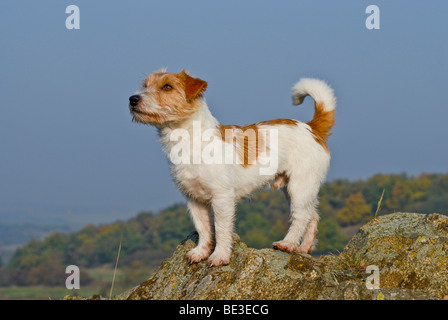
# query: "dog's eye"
{"points": [[167, 87]]}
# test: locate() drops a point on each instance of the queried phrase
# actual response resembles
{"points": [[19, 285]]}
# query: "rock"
{"points": [[410, 251], [252, 274], [351, 290]]}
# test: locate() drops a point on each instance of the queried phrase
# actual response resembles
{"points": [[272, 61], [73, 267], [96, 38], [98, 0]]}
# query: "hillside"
{"points": [[149, 238]]}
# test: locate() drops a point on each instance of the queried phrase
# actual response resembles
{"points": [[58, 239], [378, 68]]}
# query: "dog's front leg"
{"points": [[201, 218], [224, 213]]}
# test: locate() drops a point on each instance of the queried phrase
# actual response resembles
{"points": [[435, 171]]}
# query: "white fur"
{"points": [[220, 186], [319, 90]]}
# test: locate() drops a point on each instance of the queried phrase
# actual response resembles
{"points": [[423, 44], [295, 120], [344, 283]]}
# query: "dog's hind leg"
{"points": [[309, 239], [302, 193], [200, 215]]}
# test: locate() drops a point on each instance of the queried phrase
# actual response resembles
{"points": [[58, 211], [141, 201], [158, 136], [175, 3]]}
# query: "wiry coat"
{"points": [[289, 154]]}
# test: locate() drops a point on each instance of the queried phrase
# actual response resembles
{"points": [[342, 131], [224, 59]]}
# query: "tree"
{"points": [[355, 211], [400, 195], [330, 237]]}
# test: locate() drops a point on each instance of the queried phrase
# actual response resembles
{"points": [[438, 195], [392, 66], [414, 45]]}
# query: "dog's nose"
{"points": [[133, 100]]}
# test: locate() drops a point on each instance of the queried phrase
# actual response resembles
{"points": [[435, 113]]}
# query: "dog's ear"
{"points": [[194, 88]]}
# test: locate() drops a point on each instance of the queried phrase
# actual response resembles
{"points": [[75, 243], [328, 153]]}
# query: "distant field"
{"points": [[101, 284], [42, 293]]}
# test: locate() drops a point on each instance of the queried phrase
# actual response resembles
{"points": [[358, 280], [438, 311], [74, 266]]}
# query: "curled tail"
{"points": [[324, 105]]}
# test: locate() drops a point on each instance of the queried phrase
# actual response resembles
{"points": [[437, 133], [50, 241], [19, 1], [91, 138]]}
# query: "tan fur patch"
{"points": [[280, 180], [321, 124], [288, 122], [247, 141], [193, 87]]}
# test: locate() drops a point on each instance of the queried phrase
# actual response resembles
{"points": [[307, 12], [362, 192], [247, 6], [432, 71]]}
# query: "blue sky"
{"points": [[67, 143]]}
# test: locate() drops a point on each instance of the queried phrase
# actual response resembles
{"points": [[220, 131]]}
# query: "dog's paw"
{"points": [[198, 254], [285, 246], [218, 259], [305, 249]]}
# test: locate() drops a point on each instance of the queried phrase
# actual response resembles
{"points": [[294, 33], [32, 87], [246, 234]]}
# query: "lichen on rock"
{"points": [[411, 251]]}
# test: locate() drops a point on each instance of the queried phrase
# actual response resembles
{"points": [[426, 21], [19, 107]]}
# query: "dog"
{"points": [[174, 103]]}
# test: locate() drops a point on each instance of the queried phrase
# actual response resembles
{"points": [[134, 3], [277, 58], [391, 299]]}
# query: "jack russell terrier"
{"points": [[232, 164]]}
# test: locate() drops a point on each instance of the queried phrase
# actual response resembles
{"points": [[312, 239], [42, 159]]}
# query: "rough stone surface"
{"points": [[350, 290], [252, 274], [410, 251]]}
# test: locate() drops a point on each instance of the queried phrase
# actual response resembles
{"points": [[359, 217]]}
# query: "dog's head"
{"points": [[166, 97]]}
